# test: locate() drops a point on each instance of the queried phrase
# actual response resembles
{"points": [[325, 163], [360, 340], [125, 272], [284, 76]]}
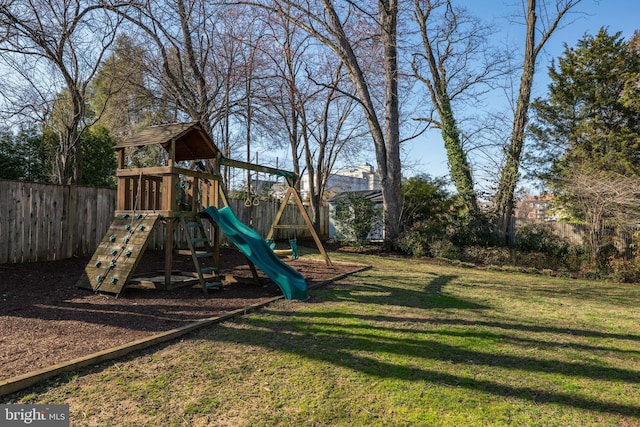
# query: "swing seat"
{"points": [[293, 251]]}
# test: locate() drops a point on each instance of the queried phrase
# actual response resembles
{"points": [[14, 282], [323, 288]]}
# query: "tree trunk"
{"points": [[387, 142], [509, 178], [391, 181], [504, 202], [458, 164]]}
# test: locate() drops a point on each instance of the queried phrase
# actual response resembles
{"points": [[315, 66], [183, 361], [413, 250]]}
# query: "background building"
{"points": [[360, 178]]}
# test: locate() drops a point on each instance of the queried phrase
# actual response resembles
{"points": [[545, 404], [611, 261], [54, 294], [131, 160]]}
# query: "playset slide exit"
{"points": [[256, 249]]}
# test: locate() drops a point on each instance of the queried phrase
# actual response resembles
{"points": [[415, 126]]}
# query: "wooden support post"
{"points": [[276, 220], [126, 192], [216, 230], [312, 230], [195, 194], [221, 196], [254, 272], [120, 155], [309, 225], [168, 252]]}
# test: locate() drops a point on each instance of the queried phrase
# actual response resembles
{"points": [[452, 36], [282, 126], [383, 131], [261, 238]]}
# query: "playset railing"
{"points": [[165, 190]]}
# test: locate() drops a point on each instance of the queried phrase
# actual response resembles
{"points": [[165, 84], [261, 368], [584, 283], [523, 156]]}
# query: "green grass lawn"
{"points": [[404, 343]]}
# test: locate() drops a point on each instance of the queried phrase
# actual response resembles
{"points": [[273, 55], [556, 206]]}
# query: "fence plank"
{"points": [[60, 218], [12, 213], [22, 214], [4, 224]]}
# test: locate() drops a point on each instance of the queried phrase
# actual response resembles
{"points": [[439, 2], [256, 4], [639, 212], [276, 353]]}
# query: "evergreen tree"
{"points": [[11, 165], [25, 155], [100, 162], [120, 94], [425, 199], [37, 153], [592, 114], [588, 130]]}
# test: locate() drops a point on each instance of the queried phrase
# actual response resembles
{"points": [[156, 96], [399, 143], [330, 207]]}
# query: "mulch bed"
{"points": [[45, 319]]}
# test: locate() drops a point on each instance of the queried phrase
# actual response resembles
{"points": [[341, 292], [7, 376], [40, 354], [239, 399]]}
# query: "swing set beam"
{"points": [[292, 179]]}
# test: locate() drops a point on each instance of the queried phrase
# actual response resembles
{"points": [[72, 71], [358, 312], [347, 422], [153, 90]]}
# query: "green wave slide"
{"points": [[256, 249]]}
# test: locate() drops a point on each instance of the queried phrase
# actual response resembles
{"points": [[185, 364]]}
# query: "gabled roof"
{"points": [[192, 142]]}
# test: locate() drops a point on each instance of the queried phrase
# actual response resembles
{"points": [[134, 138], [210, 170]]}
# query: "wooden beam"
{"points": [[168, 252], [312, 230], [120, 156], [276, 220], [172, 153], [308, 224], [164, 170], [291, 177]]}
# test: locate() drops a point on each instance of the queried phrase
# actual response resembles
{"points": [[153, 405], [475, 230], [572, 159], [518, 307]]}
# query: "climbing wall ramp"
{"points": [[119, 253]]}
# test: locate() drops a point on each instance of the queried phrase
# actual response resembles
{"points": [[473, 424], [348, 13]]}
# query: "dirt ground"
{"points": [[45, 319]]}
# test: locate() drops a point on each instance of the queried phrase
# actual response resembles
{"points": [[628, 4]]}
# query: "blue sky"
{"points": [[427, 154]]}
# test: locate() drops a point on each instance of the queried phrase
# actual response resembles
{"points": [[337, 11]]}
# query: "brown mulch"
{"points": [[45, 319]]}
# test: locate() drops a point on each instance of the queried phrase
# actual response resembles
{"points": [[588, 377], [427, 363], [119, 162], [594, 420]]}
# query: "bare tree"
{"points": [[241, 63], [552, 14], [335, 130], [456, 64], [604, 199], [351, 29], [185, 37], [302, 100], [287, 91], [54, 49]]}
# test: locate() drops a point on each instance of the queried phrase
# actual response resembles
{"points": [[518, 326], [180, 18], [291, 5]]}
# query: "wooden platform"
{"points": [[118, 254]]}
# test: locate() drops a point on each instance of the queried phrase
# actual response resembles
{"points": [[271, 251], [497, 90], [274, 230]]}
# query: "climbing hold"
{"points": [[99, 279], [127, 227], [127, 254], [112, 264], [112, 238], [139, 216], [125, 240], [113, 280], [98, 264], [141, 227], [125, 215], [114, 251]]}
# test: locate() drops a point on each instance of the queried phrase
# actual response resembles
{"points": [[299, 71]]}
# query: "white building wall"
{"points": [[361, 178]]}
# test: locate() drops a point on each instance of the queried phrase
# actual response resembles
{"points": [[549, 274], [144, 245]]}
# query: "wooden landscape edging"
{"points": [[14, 384]]}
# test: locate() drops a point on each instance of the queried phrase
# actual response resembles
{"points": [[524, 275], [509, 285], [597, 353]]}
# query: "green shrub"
{"points": [[444, 249], [540, 238], [414, 243], [425, 238], [487, 255], [356, 217], [627, 271]]}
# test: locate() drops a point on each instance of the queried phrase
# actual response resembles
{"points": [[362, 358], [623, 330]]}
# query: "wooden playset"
{"points": [[169, 199]]}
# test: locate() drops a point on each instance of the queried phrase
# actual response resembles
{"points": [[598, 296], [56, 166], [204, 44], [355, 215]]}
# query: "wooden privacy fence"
{"points": [[42, 222], [46, 222], [577, 233]]}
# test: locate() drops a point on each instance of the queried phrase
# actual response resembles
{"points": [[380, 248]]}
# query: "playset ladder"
{"points": [[119, 253], [201, 250]]}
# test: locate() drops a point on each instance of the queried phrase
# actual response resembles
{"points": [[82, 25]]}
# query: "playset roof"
{"points": [[192, 141]]}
